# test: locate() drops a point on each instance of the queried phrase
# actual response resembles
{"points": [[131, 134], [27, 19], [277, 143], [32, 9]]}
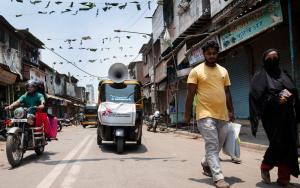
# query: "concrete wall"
{"points": [[70, 89], [59, 86]]}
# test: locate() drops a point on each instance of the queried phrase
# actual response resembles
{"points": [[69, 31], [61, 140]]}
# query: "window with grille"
{"points": [[13, 42], [2, 35]]}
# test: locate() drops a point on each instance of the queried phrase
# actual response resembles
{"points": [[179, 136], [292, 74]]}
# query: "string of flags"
{"points": [[121, 48], [101, 60], [86, 38], [81, 6]]}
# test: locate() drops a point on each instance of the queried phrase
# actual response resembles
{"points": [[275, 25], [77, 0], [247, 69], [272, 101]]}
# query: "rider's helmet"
{"points": [[31, 83], [156, 113]]}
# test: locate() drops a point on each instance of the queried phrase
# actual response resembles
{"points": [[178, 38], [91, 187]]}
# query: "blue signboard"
{"points": [[251, 25]]}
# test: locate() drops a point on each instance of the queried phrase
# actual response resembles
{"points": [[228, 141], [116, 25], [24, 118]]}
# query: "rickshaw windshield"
{"points": [[126, 93], [90, 110]]}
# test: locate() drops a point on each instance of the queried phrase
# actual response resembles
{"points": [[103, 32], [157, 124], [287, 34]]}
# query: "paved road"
{"points": [[165, 160]]}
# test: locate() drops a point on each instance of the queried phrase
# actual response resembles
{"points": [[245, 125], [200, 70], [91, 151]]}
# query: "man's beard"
{"points": [[210, 63]]}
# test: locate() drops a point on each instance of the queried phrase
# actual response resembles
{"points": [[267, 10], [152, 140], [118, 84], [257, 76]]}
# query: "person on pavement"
{"points": [[274, 100], [210, 82], [30, 99]]}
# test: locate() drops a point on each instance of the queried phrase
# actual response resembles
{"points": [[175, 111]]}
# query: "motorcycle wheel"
{"points": [[13, 151], [120, 145], [154, 127], [99, 139], [59, 128], [84, 126], [39, 150]]}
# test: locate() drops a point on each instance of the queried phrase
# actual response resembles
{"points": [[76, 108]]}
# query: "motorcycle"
{"points": [[23, 135], [154, 121], [3, 123], [62, 122], [3, 130]]}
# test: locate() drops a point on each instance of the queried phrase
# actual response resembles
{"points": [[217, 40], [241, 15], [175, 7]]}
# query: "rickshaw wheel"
{"points": [[120, 145], [139, 141], [99, 140]]}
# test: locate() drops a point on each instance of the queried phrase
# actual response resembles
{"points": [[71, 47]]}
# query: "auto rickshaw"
{"points": [[89, 115], [120, 109]]}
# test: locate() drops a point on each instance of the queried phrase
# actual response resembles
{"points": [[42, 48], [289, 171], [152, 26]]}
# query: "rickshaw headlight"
{"points": [[19, 113]]}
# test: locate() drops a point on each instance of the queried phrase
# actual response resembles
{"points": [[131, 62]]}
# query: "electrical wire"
{"points": [[98, 77]]}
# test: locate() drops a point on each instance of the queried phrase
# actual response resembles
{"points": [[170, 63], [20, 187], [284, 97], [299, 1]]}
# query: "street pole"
{"points": [[291, 38], [154, 74]]}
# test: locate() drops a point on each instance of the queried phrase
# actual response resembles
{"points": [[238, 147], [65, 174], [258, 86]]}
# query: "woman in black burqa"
{"points": [[274, 100]]}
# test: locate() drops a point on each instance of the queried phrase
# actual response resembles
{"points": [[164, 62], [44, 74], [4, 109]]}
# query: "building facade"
{"points": [[243, 29]]}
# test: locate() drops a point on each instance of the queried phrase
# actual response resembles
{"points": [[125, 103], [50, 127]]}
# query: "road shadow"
{"points": [[122, 159], [273, 185], [130, 148], [34, 158], [231, 180]]}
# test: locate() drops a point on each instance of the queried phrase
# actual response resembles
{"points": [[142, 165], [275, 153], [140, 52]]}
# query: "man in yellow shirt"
{"points": [[210, 83]]}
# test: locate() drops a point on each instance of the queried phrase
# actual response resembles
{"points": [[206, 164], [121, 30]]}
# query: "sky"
{"points": [[60, 26]]}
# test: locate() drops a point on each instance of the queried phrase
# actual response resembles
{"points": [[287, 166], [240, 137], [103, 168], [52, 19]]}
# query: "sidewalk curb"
{"points": [[248, 145]]}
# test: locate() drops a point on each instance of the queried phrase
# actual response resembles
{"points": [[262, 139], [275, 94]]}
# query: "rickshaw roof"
{"points": [[90, 106], [108, 81]]}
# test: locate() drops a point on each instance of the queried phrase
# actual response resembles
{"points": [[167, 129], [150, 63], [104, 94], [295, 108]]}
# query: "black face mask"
{"points": [[271, 63]]}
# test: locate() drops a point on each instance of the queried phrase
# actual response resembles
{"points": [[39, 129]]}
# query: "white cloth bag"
{"points": [[231, 145]]}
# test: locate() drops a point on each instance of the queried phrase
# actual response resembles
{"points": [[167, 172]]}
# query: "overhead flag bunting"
{"points": [[86, 6], [35, 2], [48, 4]]}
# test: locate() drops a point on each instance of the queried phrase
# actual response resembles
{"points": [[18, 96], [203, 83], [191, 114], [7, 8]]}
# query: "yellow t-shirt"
{"points": [[211, 97]]}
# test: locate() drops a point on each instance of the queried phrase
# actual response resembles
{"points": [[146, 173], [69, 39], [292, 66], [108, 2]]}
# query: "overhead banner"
{"points": [[253, 24], [117, 114]]}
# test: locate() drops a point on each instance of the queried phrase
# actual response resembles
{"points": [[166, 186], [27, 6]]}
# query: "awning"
{"points": [[181, 55], [7, 77], [54, 97], [58, 98], [161, 70], [184, 72], [162, 86]]}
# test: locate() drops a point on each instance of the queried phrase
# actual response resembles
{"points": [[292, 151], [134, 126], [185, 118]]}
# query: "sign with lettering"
{"points": [[253, 24], [117, 114]]}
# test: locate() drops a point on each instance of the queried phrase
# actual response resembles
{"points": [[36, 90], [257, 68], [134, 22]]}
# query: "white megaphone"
{"points": [[118, 72]]}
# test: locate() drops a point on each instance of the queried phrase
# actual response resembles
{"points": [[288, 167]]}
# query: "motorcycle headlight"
{"points": [[30, 119], [19, 113]]}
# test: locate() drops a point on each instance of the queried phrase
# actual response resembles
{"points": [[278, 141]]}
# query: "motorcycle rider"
{"points": [[30, 99]]}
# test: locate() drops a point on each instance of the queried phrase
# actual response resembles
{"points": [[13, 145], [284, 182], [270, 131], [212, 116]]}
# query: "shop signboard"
{"points": [[253, 24], [196, 56]]}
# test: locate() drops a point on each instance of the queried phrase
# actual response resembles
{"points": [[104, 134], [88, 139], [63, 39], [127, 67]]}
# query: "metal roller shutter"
{"points": [[238, 69]]}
